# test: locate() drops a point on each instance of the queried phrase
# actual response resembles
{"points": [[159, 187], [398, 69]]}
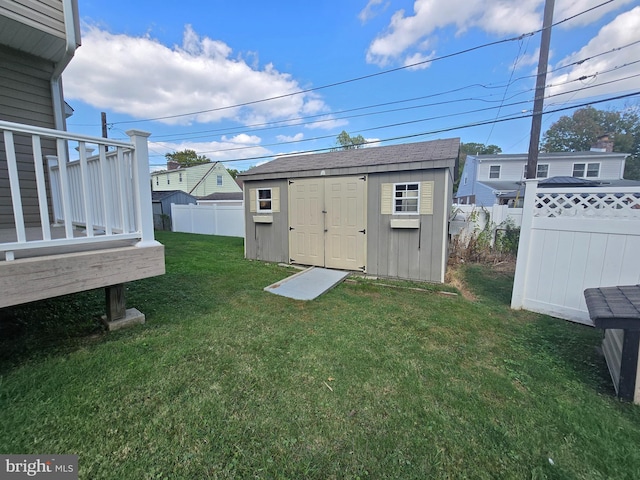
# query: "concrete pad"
{"points": [[308, 284], [133, 317]]}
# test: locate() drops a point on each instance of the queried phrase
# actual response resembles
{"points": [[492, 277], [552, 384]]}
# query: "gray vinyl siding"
{"points": [[25, 97], [415, 254], [267, 241], [44, 15]]}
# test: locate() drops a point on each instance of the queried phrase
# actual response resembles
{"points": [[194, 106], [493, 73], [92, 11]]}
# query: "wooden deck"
{"points": [[29, 279]]}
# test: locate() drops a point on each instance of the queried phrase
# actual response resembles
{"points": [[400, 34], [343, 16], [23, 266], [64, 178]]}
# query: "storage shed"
{"points": [[161, 202], [383, 211]]}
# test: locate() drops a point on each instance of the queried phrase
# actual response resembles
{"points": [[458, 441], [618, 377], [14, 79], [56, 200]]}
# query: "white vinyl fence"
{"points": [[467, 220], [573, 239], [225, 220]]}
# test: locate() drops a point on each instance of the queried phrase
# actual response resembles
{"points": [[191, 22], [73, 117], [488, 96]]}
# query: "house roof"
{"points": [[224, 196], [161, 195], [506, 189], [408, 156]]}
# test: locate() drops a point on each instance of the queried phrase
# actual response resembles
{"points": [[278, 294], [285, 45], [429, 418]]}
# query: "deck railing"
{"points": [[98, 198]]}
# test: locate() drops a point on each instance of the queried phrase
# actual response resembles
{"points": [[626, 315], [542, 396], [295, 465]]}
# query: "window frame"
{"points": [[404, 197], [259, 209], [589, 165], [585, 169], [538, 170], [491, 167], [219, 180]]}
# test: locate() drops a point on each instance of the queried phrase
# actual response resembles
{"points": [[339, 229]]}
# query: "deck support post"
{"points": [[118, 316]]}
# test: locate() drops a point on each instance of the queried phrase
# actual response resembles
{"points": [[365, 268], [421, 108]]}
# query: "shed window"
{"points": [[406, 197], [219, 180], [494, 171], [264, 200]]}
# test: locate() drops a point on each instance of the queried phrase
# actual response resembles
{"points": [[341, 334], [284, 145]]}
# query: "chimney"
{"points": [[172, 165], [603, 144]]}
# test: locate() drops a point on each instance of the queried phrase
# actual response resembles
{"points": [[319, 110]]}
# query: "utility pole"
{"points": [[103, 118], [541, 80]]}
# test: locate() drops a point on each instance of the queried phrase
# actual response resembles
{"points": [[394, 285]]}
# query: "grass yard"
{"points": [[367, 381]]}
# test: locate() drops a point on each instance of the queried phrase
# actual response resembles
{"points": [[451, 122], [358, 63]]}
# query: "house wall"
{"points": [[190, 180], [45, 16], [267, 241], [610, 168], [25, 97], [415, 253]]}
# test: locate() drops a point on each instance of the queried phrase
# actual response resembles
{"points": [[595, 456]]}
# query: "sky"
{"points": [[243, 82]]}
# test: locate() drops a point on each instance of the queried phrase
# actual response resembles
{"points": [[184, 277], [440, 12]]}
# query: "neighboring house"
{"points": [[382, 211], [498, 179], [69, 221], [161, 202], [229, 199], [199, 181]]}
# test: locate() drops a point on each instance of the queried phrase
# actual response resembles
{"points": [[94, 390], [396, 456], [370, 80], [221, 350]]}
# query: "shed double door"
{"points": [[327, 222]]}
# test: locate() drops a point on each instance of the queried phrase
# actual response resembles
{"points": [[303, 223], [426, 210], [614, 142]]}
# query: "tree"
{"points": [[186, 158], [347, 142], [473, 148], [580, 132], [233, 172]]}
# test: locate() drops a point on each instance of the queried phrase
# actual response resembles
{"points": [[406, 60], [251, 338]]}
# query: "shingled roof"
{"points": [[441, 154]]}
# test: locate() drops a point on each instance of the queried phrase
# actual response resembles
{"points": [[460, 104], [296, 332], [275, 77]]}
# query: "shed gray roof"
{"points": [[223, 196], [439, 153], [158, 196]]}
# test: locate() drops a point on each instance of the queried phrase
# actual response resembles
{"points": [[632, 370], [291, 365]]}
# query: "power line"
{"points": [[365, 77], [442, 130]]}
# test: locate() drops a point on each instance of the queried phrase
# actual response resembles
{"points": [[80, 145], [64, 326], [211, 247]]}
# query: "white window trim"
{"points": [[541, 165], [585, 169], [499, 172], [264, 210], [219, 180], [393, 193]]}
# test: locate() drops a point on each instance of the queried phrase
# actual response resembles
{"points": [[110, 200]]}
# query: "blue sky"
{"points": [[180, 70]]}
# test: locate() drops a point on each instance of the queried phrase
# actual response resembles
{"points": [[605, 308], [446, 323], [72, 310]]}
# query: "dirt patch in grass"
{"points": [[455, 279]]}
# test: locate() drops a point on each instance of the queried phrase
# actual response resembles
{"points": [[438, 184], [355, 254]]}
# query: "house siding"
{"points": [[25, 97], [193, 182], [43, 15]]}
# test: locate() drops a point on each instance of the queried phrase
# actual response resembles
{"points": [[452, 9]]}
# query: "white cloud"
{"points": [[228, 148], [295, 138], [623, 30], [372, 10], [143, 78], [408, 35]]}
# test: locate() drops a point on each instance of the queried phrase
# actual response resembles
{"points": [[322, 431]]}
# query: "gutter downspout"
{"points": [[70, 8]]}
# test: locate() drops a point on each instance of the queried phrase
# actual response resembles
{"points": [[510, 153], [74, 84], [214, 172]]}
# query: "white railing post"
{"points": [[14, 185], [523, 260], [142, 181]]}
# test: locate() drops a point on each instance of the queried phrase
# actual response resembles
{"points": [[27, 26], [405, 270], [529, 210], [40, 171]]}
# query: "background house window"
{"points": [[591, 170], [543, 170], [406, 197], [494, 171], [157, 180], [168, 180], [219, 180], [264, 200], [180, 177]]}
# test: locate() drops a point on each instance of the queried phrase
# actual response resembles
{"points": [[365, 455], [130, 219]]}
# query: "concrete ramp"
{"points": [[308, 284]]}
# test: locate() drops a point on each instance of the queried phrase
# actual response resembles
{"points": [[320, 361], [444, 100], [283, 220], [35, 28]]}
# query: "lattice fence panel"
{"points": [[618, 205]]}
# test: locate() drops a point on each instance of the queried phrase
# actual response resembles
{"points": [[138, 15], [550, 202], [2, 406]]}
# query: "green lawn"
{"points": [[367, 381]]}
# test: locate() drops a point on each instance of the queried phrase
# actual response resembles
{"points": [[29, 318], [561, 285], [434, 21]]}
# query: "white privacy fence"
{"points": [[225, 220], [108, 195], [467, 220], [573, 239]]}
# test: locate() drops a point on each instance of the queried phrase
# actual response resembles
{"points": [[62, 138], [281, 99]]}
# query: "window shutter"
{"points": [[252, 200], [426, 198], [275, 199], [386, 199]]}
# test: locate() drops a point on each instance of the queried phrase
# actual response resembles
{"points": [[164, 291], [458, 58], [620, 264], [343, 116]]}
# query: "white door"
{"points": [[306, 222], [327, 219]]}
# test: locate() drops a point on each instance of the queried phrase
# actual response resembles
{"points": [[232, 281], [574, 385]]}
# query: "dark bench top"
{"points": [[614, 307]]}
